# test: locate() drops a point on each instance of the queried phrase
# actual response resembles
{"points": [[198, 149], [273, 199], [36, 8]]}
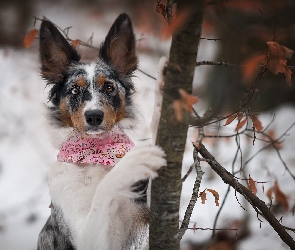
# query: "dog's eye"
{"points": [[75, 91], [109, 87]]}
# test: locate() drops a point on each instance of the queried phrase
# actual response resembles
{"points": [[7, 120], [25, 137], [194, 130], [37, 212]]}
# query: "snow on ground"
{"points": [[25, 152]]}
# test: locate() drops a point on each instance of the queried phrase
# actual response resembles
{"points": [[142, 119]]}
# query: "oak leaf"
{"points": [[203, 196], [257, 123], [230, 119], [188, 100], [241, 123], [278, 56], [215, 194], [185, 102], [252, 186], [30, 37], [280, 197]]}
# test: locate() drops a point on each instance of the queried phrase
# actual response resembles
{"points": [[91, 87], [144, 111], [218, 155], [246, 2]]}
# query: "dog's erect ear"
{"points": [[118, 49], [55, 52]]}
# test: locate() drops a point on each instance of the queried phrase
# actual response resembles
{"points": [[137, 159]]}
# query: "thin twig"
{"points": [[193, 200], [212, 2], [212, 229], [289, 228], [211, 39], [216, 63], [154, 78], [188, 172]]}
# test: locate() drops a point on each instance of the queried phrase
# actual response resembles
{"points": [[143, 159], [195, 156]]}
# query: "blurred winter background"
{"points": [[243, 27]]}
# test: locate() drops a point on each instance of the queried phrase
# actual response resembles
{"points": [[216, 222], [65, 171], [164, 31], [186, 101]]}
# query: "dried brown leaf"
{"points": [[252, 186], [203, 196], [184, 103], [280, 197], [230, 119], [30, 37], [215, 194], [257, 123], [75, 43], [188, 100], [241, 123], [277, 59]]}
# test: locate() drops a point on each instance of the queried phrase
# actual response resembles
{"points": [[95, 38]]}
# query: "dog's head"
{"points": [[91, 97]]}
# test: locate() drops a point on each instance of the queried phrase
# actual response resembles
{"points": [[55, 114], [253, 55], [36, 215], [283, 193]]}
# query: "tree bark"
{"points": [[171, 136]]}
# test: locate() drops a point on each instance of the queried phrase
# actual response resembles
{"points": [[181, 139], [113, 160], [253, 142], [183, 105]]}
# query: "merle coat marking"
{"points": [[94, 206]]}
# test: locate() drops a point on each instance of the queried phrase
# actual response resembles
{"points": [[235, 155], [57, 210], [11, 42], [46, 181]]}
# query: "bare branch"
{"points": [[193, 199], [216, 63], [150, 76], [256, 203], [212, 2], [188, 172]]}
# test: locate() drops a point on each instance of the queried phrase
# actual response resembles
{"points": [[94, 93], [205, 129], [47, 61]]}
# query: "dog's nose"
{"points": [[94, 117]]}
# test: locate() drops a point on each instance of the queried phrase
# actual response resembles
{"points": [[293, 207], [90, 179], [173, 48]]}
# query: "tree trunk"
{"points": [[171, 136]]}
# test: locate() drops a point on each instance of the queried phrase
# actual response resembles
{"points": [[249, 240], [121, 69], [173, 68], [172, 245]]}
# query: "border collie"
{"points": [[98, 183]]}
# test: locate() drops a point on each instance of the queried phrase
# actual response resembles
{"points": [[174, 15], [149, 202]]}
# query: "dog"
{"points": [[98, 183]]}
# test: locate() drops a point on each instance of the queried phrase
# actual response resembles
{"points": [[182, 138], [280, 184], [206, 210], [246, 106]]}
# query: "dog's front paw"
{"points": [[146, 161], [140, 163]]}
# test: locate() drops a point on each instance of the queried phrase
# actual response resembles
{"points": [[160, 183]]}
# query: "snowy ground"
{"points": [[25, 152]]}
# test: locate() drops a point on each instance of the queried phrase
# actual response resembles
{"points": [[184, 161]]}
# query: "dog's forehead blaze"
{"points": [[77, 118], [65, 116]]}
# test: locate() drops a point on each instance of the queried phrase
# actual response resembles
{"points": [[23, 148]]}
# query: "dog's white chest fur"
{"points": [[73, 187], [98, 205]]}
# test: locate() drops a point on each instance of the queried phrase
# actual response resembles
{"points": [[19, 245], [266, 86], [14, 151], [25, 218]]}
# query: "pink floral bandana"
{"points": [[105, 149]]}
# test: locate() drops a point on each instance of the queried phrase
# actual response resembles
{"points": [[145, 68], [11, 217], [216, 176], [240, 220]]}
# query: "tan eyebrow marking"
{"points": [[81, 82], [101, 80]]}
